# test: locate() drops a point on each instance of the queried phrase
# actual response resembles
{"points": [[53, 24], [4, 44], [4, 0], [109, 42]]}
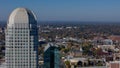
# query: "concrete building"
{"points": [[21, 40], [114, 64]]}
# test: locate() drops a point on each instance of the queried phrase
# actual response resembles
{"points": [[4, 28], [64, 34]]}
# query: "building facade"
{"points": [[113, 64], [21, 40], [51, 56]]}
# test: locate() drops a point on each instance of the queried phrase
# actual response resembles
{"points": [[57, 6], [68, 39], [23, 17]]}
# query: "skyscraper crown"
{"points": [[21, 15]]}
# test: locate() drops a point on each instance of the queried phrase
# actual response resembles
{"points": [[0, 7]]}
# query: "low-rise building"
{"points": [[113, 64]]}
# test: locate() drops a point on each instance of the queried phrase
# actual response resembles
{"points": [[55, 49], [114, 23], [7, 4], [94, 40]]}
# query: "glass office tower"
{"points": [[51, 56], [22, 40]]}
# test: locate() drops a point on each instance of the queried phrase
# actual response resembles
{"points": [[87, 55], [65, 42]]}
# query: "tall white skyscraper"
{"points": [[22, 40]]}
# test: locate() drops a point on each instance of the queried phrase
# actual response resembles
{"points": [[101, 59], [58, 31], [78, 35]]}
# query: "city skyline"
{"points": [[60, 34], [79, 10]]}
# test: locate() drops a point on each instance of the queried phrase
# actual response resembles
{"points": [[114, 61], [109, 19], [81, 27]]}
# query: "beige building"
{"points": [[114, 64]]}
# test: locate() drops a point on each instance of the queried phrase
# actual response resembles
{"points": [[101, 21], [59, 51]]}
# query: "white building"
{"points": [[21, 40]]}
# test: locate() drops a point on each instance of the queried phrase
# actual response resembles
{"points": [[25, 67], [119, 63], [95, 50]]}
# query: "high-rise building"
{"points": [[22, 40], [51, 56]]}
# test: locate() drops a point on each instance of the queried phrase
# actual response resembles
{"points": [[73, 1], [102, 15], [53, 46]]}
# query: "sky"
{"points": [[66, 10]]}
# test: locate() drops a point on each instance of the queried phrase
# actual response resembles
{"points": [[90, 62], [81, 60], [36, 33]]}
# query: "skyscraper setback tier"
{"points": [[21, 40]]}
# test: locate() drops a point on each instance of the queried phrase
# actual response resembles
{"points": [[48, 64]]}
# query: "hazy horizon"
{"points": [[77, 10]]}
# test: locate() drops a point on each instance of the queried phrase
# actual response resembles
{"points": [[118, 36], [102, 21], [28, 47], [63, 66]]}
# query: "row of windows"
{"points": [[22, 62], [21, 36], [20, 55], [17, 39], [16, 32], [20, 47], [25, 27], [21, 58], [21, 52], [20, 40], [21, 30], [12, 63], [23, 46], [18, 43], [17, 66], [21, 66], [33, 58]]}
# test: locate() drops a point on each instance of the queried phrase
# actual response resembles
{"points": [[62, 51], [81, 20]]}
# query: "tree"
{"points": [[67, 63]]}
